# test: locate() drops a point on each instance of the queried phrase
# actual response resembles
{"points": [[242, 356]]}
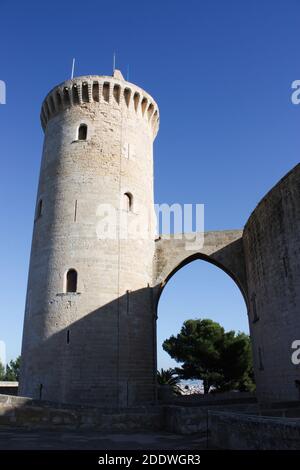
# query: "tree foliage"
{"points": [[2, 371], [12, 371], [169, 377], [220, 359]]}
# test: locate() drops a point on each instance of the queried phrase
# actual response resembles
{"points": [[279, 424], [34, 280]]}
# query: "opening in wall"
{"points": [[254, 309], [105, 91], [39, 209], [71, 281], [96, 91], [127, 202], [82, 132], [85, 92]]}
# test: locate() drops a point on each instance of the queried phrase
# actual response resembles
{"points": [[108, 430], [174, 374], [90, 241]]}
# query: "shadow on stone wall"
{"points": [[119, 340], [106, 358]]}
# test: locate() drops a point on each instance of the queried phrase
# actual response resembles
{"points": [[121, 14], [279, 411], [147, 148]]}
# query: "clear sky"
{"points": [[221, 72]]}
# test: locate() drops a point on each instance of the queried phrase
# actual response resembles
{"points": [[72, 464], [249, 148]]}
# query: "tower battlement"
{"points": [[101, 90]]}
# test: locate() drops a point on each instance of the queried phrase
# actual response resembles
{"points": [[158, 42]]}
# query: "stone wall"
{"points": [[225, 426], [34, 414], [194, 419], [272, 252], [241, 432]]}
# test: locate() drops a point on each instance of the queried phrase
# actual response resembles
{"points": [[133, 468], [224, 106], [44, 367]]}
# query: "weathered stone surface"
{"points": [[240, 432], [35, 414], [272, 252], [96, 345]]}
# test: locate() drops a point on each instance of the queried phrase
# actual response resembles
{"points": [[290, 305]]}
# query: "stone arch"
{"points": [[224, 249], [200, 256]]}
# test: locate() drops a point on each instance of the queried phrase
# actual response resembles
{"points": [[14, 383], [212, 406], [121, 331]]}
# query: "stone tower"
{"points": [[89, 320]]}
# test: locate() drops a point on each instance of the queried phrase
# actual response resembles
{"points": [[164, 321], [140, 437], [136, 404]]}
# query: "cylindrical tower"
{"points": [[89, 319]]}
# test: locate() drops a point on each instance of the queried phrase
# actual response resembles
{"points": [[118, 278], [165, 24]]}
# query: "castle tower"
{"points": [[89, 320]]}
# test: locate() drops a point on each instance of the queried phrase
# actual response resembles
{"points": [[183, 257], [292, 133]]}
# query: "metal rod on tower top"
{"points": [[114, 62], [73, 65]]}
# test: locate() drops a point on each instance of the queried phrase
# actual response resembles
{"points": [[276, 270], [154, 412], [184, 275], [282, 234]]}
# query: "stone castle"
{"points": [[91, 309]]}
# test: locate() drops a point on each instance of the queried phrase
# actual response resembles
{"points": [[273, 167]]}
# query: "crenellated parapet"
{"points": [[113, 90]]}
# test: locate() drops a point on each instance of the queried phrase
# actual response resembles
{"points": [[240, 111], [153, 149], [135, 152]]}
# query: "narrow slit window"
{"points": [[75, 211], [82, 132], [254, 308], [285, 265], [68, 336], [71, 284], [39, 210], [40, 391]]}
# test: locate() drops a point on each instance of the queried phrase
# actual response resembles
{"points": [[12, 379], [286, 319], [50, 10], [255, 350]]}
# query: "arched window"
{"points": [[39, 209], [127, 202], [82, 132], [71, 281]]}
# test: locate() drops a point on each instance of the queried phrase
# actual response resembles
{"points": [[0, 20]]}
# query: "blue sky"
{"points": [[221, 72]]}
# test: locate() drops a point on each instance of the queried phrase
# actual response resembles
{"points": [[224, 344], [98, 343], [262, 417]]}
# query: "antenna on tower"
{"points": [[73, 66], [114, 62]]}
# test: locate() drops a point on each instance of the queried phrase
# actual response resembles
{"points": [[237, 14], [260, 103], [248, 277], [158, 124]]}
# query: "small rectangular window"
{"points": [[82, 132]]}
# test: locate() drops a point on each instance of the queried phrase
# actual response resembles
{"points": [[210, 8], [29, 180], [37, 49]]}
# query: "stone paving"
{"points": [[16, 439]]}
